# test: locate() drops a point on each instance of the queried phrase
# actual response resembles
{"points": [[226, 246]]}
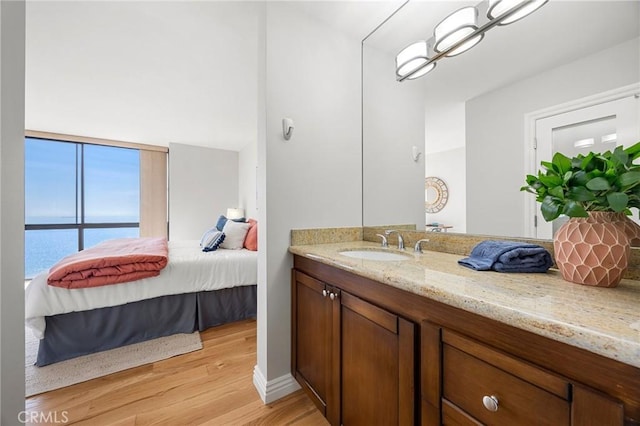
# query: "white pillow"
{"points": [[235, 233]]}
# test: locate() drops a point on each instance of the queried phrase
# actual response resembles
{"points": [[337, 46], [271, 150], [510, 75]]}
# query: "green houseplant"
{"points": [[596, 191], [608, 182]]}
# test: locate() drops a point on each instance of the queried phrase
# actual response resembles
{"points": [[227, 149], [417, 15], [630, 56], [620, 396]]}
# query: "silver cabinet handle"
{"points": [[324, 292], [332, 295], [490, 403]]}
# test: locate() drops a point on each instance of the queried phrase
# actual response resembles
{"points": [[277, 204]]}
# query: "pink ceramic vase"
{"points": [[632, 229], [594, 250]]}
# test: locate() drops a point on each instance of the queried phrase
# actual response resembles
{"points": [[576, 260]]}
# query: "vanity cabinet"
{"points": [[377, 354], [480, 385], [312, 329], [355, 360]]}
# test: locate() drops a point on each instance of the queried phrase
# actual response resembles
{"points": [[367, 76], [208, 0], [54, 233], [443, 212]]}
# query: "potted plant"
{"points": [[596, 191]]}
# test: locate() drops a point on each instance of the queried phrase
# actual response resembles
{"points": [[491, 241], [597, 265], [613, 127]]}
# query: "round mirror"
{"points": [[436, 194]]}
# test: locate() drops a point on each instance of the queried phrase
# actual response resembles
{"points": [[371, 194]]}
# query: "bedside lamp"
{"points": [[235, 213]]}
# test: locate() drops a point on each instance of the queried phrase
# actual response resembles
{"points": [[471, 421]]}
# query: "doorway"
{"points": [[599, 124]]}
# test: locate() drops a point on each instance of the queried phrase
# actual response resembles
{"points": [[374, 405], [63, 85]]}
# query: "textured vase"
{"points": [[594, 250], [631, 228]]}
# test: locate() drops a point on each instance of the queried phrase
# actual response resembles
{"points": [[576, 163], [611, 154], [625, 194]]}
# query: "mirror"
{"points": [[469, 117]]}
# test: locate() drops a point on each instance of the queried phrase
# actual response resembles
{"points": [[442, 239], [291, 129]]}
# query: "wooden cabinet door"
{"points": [[378, 365], [591, 408], [312, 339], [431, 377]]}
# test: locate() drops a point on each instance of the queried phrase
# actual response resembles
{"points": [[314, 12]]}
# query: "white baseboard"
{"points": [[275, 389]]}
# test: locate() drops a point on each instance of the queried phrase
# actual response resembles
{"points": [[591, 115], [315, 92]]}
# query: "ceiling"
{"points": [[186, 72], [558, 33], [158, 72], [147, 72]]}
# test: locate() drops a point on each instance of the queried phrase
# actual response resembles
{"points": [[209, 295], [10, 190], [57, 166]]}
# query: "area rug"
{"points": [[66, 373]]}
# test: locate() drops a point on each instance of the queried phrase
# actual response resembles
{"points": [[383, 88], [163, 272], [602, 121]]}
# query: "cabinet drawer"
{"points": [[472, 372]]}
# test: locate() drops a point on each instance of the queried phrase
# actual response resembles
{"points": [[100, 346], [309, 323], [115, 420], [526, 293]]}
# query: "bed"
{"points": [[195, 291]]}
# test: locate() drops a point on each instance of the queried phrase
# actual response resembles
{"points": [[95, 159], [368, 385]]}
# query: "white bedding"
{"points": [[188, 270]]}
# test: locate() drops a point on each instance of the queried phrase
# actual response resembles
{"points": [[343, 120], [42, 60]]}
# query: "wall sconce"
{"points": [[459, 32], [415, 153], [287, 128]]}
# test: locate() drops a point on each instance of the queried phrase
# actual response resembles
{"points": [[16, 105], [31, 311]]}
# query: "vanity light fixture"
{"points": [[459, 32], [499, 7], [456, 27], [411, 58]]}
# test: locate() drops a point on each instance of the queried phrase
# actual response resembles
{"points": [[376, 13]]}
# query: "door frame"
{"points": [[530, 163]]}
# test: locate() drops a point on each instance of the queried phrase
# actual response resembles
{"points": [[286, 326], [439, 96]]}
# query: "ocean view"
{"points": [[68, 183], [43, 248]]}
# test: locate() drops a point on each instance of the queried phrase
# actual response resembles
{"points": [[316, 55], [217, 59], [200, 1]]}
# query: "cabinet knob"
{"points": [[324, 292], [490, 403], [332, 295]]}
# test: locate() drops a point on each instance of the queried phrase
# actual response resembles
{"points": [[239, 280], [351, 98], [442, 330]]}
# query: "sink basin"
{"points": [[375, 255]]}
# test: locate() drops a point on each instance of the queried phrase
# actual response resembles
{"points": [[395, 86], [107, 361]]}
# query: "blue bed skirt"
{"points": [[80, 333]]}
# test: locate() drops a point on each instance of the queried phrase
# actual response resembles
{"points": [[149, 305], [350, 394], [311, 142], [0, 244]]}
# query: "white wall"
{"points": [[247, 179], [312, 75], [144, 71], [446, 159], [393, 122], [495, 130], [12, 27], [203, 183]]}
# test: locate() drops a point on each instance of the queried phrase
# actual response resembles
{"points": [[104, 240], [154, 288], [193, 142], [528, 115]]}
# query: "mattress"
{"points": [[189, 270]]}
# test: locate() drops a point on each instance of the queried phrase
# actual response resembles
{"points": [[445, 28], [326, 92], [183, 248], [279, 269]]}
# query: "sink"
{"points": [[375, 255]]}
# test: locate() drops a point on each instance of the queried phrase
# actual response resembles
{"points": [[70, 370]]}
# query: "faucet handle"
{"points": [[418, 247], [384, 240]]}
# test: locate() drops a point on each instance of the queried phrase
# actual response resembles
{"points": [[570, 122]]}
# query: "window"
{"points": [[79, 194], [80, 191]]}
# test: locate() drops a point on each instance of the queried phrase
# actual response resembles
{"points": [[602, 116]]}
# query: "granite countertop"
{"points": [[600, 320]]}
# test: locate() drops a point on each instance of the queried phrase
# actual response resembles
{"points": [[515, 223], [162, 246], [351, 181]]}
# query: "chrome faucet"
{"points": [[400, 240], [384, 240], [418, 247]]}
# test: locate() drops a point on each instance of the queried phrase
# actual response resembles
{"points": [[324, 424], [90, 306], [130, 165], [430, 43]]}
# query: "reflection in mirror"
{"points": [[478, 114], [431, 195]]}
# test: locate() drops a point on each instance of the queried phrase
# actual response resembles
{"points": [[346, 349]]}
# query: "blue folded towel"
{"points": [[508, 256]]}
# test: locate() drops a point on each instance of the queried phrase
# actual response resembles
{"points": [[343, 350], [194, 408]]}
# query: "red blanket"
{"points": [[111, 262]]}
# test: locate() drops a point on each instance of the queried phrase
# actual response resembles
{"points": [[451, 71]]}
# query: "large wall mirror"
{"points": [[472, 121]]}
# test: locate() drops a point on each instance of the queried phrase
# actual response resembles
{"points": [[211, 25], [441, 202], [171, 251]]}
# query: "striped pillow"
{"points": [[211, 240], [205, 236]]}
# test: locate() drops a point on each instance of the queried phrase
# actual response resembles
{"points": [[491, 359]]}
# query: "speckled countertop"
{"points": [[600, 320]]}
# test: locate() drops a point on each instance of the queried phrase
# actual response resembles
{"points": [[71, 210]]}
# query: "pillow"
{"points": [[222, 220], [212, 240], [206, 236], [251, 240], [235, 233]]}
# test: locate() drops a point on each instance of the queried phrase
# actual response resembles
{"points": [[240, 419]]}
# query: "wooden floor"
{"points": [[212, 386]]}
